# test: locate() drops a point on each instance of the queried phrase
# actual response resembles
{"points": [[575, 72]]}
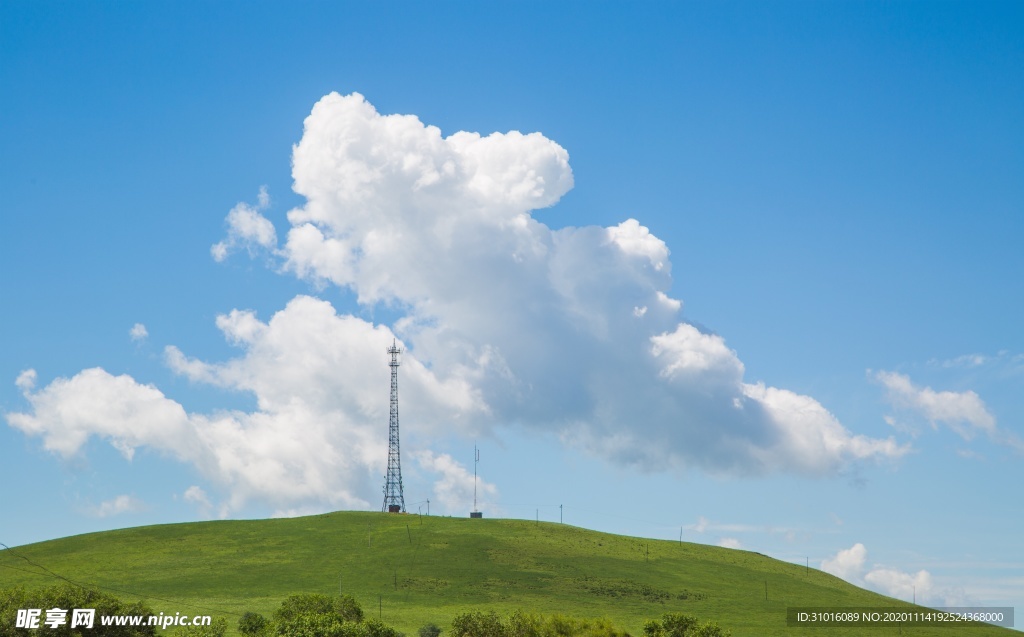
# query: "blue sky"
{"points": [[806, 342]]}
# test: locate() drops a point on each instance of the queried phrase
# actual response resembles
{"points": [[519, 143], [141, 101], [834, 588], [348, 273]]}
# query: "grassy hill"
{"points": [[413, 570]]}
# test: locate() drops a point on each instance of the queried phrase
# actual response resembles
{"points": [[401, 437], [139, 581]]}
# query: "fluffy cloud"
{"points": [[847, 564], [571, 330], [247, 228], [138, 332], [120, 504], [331, 365], [632, 238], [896, 583], [851, 565], [730, 543], [963, 412], [966, 360], [197, 496], [704, 525], [69, 410], [315, 440], [509, 323], [454, 488], [26, 380], [688, 352]]}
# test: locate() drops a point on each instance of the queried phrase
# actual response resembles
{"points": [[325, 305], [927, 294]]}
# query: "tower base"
{"points": [[476, 514], [394, 508]]}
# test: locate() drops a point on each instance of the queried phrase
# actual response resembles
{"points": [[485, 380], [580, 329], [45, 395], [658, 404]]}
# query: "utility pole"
{"points": [[559, 513]]}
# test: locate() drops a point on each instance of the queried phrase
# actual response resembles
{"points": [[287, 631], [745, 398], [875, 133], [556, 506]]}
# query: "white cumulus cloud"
{"points": [[453, 489], [317, 438], [196, 495], [852, 565], [730, 543], [632, 238], [26, 380], [138, 332], [68, 411], [542, 322], [507, 323], [901, 585], [248, 228], [847, 564], [963, 412]]}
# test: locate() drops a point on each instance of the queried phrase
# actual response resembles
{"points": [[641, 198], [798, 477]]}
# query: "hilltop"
{"points": [[413, 569]]}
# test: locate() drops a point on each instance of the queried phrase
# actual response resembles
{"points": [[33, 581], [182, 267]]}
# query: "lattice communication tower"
{"points": [[394, 500]]}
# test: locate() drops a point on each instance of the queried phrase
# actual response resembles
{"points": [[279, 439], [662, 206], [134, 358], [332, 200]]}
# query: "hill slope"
{"points": [[413, 569]]}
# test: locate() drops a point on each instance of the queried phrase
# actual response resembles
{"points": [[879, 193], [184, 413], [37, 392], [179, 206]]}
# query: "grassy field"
{"points": [[412, 570]]}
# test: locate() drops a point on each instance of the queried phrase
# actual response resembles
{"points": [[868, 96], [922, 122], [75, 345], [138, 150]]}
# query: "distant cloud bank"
{"points": [[963, 412], [851, 565]]}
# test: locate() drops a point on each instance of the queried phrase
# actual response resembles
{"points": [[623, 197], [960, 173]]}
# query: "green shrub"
{"points": [[653, 628], [477, 624], [429, 630], [561, 626], [682, 625], [601, 627], [520, 624], [377, 628], [294, 606], [316, 615], [253, 624], [710, 629], [348, 609], [678, 624], [317, 625], [217, 628], [65, 596]]}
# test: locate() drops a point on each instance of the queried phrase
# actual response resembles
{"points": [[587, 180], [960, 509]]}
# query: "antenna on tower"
{"points": [[394, 500], [476, 460]]}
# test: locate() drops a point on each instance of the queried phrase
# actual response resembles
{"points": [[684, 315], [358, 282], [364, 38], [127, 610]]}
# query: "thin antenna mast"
{"points": [[476, 460]]}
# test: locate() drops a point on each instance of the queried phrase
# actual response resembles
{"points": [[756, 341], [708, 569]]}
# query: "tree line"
{"points": [[318, 615]]}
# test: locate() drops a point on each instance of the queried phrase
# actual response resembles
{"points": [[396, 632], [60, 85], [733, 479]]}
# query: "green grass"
{"points": [[415, 570]]}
